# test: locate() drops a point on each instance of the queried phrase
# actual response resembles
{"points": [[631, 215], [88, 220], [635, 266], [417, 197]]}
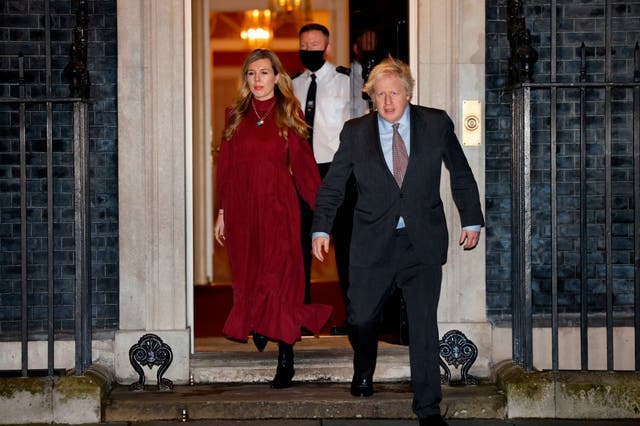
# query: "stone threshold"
{"points": [[325, 359]]}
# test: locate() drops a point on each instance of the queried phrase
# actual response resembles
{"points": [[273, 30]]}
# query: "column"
{"points": [[450, 69], [152, 182]]}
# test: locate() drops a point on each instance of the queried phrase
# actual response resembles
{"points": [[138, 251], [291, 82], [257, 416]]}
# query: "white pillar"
{"points": [[152, 181], [451, 69], [202, 145]]}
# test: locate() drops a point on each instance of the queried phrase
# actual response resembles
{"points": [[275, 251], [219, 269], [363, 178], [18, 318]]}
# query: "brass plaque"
{"points": [[472, 123]]}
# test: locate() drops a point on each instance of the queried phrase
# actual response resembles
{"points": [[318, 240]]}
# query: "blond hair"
{"points": [[287, 107], [390, 66]]}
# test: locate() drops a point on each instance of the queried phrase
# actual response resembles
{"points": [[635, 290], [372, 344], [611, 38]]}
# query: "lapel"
{"points": [[417, 130], [374, 146], [373, 141]]}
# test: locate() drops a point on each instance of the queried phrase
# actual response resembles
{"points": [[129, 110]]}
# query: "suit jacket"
{"points": [[380, 202]]}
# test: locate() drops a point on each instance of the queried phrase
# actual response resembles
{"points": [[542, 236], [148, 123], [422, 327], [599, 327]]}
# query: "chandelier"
{"points": [[292, 11], [259, 25], [256, 29]]}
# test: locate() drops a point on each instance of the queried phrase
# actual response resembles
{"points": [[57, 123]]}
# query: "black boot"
{"points": [[285, 371], [260, 341]]}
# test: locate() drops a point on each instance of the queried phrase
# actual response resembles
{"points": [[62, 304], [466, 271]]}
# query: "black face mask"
{"points": [[312, 60]]}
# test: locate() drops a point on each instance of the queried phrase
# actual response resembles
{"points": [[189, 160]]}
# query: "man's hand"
{"points": [[318, 245], [469, 239]]}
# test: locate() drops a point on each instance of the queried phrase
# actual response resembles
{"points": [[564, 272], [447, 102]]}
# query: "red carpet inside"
{"points": [[212, 305]]}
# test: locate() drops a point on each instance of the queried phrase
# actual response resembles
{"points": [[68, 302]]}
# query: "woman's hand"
{"points": [[218, 230]]}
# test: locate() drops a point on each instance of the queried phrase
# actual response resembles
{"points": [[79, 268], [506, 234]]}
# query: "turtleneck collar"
{"points": [[263, 106]]}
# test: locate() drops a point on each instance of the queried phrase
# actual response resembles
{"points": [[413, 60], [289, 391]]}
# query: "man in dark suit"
{"points": [[400, 235]]}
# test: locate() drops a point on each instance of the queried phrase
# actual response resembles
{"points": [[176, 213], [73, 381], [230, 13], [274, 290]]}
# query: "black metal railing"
{"points": [[523, 91], [76, 72]]}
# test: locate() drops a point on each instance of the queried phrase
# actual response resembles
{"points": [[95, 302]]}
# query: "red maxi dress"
{"points": [[255, 183]]}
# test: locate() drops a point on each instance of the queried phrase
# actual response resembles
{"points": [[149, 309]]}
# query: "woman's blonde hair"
{"points": [[390, 66], [287, 107]]}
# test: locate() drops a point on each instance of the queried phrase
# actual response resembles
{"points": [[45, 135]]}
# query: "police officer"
{"points": [[324, 92]]}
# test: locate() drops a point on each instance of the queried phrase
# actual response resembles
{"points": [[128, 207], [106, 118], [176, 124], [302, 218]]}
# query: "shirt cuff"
{"points": [[475, 228], [319, 234]]}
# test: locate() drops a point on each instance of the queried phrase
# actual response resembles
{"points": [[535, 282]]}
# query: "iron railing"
{"points": [[77, 73], [521, 63]]}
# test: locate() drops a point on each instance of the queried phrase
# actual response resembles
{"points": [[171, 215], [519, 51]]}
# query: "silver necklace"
{"points": [[260, 121]]}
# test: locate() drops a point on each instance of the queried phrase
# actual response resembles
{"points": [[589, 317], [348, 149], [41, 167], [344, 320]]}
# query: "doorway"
{"points": [[225, 52], [390, 21]]}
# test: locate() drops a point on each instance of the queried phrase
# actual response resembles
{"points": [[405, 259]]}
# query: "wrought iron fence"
{"points": [[586, 94], [76, 72]]}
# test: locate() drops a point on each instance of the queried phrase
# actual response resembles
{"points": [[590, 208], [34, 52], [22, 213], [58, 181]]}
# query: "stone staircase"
{"points": [[233, 384]]}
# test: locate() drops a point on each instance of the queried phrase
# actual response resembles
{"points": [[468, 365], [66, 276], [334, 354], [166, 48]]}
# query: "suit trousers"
{"points": [[420, 284], [341, 234]]}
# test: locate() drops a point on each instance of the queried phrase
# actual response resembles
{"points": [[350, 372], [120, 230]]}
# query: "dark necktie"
{"points": [[399, 154], [310, 106]]}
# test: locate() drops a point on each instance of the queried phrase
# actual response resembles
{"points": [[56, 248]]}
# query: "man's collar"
{"points": [[404, 119], [324, 70]]}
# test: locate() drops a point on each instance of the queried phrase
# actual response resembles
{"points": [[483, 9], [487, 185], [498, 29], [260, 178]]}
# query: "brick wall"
{"points": [[577, 22], [22, 31]]}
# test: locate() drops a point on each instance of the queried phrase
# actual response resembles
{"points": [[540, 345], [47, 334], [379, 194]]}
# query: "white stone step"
{"points": [[316, 359]]}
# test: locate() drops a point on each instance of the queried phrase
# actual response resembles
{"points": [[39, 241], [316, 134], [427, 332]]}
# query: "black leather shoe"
{"points": [[260, 341], [361, 387], [339, 330], [434, 420]]}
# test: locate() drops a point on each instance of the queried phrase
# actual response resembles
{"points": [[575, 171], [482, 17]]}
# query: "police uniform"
{"points": [[332, 110], [333, 98]]}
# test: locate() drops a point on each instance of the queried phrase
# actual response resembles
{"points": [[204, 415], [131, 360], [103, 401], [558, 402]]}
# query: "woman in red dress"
{"points": [[264, 157]]}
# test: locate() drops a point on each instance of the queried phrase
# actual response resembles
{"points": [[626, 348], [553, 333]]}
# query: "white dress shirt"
{"points": [[333, 108], [386, 141]]}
